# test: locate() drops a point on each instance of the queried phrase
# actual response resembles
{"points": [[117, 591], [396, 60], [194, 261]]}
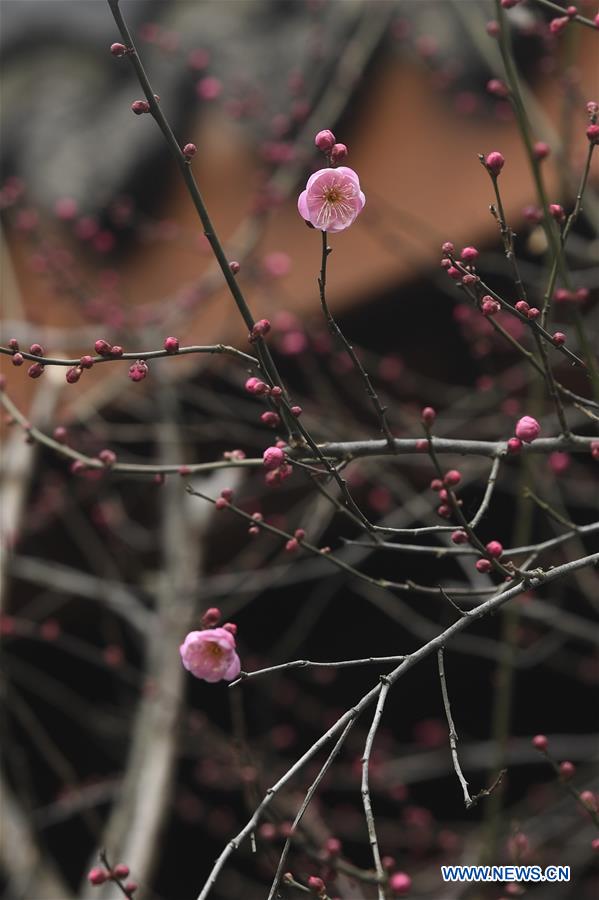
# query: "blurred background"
{"points": [[107, 743]]}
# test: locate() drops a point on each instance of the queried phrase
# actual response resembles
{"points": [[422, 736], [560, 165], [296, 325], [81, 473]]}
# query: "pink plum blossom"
{"points": [[210, 655], [332, 199]]}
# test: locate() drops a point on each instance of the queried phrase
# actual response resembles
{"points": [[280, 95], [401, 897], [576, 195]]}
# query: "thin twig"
{"points": [[453, 737], [365, 789]]}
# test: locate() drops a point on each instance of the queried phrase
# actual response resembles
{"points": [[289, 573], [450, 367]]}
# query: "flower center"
{"points": [[333, 194]]}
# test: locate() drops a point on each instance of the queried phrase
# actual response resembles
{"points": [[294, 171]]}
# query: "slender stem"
{"points": [[453, 736], [305, 803], [307, 663], [365, 788], [266, 360], [380, 410], [142, 354]]}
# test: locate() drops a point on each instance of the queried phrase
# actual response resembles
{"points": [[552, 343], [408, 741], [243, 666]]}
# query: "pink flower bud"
{"points": [[260, 329], [292, 546], [36, 350], [73, 375], [540, 742], [454, 273], [444, 511], [35, 370], [497, 87], [514, 445], [522, 307], [338, 153], [436, 484], [325, 140], [234, 267], [13, 345], [333, 846], [571, 11], [469, 254], [138, 371], [98, 875], [428, 415], [493, 28], [527, 429], [131, 887], [489, 307], [495, 162], [189, 150], [541, 150], [563, 295], [595, 449], [209, 88], [581, 294], [589, 800], [171, 344], [533, 313], [557, 212], [448, 248], [533, 214], [470, 279], [60, 434], [484, 565], [139, 107], [272, 419], [221, 503], [86, 362], [103, 348], [273, 457], [108, 457], [593, 134], [452, 477], [556, 26], [211, 617], [567, 769], [316, 885], [121, 870], [459, 537], [400, 883], [296, 411], [17, 359], [118, 50], [559, 338], [116, 351], [494, 549]]}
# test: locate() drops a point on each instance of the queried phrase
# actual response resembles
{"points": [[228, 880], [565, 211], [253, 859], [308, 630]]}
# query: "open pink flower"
{"points": [[210, 655], [332, 199]]}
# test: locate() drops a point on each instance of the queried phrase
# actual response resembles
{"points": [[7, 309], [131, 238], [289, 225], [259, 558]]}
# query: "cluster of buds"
{"points": [[524, 308], [494, 550], [563, 295], [222, 502], [100, 875], [326, 142], [443, 488], [275, 463]]}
